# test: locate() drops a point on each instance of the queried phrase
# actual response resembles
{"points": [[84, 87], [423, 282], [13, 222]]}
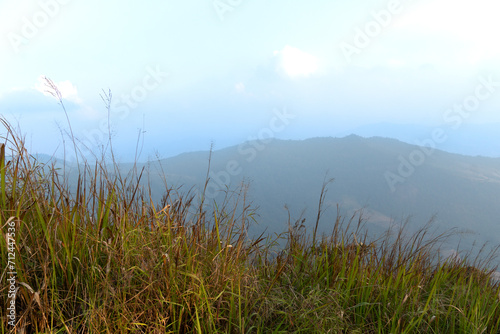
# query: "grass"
{"points": [[104, 258]]}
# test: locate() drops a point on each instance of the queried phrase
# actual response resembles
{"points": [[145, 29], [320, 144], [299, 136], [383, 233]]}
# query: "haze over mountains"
{"points": [[468, 138], [388, 179], [383, 176]]}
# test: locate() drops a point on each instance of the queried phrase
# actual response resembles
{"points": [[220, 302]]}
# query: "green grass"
{"points": [[104, 258]]}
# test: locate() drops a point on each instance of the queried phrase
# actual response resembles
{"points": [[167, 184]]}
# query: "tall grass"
{"points": [[104, 258]]}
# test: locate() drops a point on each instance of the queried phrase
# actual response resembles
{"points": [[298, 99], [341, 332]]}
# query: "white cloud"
{"points": [[69, 92], [395, 63], [66, 88], [473, 24], [240, 87], [296, 62]]}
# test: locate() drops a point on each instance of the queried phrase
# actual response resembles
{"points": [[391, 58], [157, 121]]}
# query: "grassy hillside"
{"points": [[105, 258]]}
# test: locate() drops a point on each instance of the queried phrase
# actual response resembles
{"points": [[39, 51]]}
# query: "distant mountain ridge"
{"points": [[389, 179], [468, 139], [461, 191]]}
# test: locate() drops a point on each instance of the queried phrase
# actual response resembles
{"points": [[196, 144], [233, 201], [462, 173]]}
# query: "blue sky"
{"points": [[184, 74]]}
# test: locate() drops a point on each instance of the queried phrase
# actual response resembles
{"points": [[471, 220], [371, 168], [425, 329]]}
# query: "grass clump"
{"points": [[104, 258]]}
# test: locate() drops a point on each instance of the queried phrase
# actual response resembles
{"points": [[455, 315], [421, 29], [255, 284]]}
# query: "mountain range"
{"points": [[389, 180], [462, 138]]}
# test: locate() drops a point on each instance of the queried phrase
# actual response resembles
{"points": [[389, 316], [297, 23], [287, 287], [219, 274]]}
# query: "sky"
{"points": [[184, 75]]}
